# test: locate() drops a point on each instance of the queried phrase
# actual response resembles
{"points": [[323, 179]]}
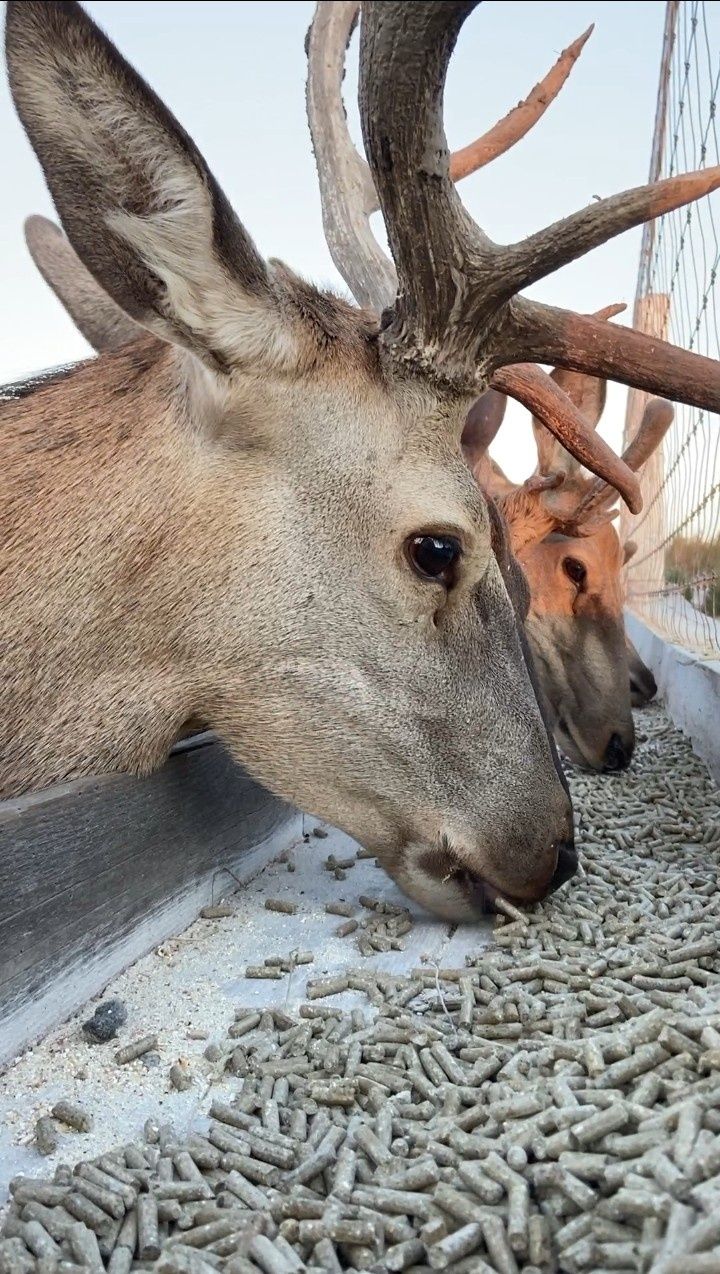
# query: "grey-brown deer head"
{"points": [[260, 515]]}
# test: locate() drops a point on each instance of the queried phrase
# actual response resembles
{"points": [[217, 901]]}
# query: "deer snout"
{"points": [[554, 868], [566, 865], [565, 858], [460, 880], [618, 753]]}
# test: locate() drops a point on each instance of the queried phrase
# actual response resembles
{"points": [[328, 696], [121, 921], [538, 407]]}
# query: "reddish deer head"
{"points": [[560, 531], [259, 515]]}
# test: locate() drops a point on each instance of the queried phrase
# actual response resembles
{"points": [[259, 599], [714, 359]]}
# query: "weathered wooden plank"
{"points": [[95, 872]]}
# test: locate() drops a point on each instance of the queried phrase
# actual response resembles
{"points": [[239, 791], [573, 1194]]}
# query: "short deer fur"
{"points": [[560, 531], [260, 515]]}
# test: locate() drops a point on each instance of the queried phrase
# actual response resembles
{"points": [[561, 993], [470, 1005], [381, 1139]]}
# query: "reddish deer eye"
{"points": [[575, 570], [434, 557]]}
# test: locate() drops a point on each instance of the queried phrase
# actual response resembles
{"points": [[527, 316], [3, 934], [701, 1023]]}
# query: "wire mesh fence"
{"points": [[674, 578]]}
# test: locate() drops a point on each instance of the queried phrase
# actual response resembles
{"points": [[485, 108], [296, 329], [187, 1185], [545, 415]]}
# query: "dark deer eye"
{"points": [[434, 557], [575, 570]]}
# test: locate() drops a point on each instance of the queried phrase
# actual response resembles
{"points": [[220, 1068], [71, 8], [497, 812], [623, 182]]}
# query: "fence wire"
{"points": [[674, 578]]}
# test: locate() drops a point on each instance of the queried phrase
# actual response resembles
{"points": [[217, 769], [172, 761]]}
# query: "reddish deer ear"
{"points": [[588, 393], [483, 421], [629, 550]]}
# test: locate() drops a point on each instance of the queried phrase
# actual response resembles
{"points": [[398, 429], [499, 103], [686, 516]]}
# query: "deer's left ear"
{"points": [[137, 200], [629, 550]]}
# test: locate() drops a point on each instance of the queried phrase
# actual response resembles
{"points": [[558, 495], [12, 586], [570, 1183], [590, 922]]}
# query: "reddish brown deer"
{"points": [[260, 515], [573, 559]]}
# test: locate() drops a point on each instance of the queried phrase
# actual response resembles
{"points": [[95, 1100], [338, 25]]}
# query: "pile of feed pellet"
{"points": [[552, 1106]]}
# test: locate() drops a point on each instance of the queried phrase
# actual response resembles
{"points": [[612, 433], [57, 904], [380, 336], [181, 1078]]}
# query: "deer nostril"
{"points": [[481, 893], [567, 865], [617, 754]]}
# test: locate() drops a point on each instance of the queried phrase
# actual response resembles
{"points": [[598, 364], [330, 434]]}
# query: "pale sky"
{"points": [[234, 72]]}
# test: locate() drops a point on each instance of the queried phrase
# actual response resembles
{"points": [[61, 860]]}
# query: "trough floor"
{"points": [[192, 984], [187, 990]]}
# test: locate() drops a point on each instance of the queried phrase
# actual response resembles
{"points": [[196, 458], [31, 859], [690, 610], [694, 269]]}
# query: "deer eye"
{"points": [[434, 557], [575, 570]]}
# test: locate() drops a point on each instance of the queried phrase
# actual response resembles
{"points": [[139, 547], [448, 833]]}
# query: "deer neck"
{"points": [[99, 586]]}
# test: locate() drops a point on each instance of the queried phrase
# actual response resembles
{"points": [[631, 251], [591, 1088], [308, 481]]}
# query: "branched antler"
{"points": [[536, 390], [348, 192], [656, 420], [454, 311]]}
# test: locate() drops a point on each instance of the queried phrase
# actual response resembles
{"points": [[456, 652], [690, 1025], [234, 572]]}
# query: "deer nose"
{"points": [[645, 687], [617, 754], [567, 865]]}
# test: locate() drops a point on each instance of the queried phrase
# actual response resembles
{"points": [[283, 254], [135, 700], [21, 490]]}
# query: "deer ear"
{"points": [[103, 324], [629, 550], [482, 424], [588, 394], [137, 200]]}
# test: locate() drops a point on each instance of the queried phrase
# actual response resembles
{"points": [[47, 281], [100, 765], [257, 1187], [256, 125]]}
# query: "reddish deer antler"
{"points": [[656, 420], [456, 311], [535, 389]]}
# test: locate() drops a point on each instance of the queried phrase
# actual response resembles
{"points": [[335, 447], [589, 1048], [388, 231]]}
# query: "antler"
{"points": [[347, 192], [347, 189], [584, 344], [513, 126], [656, 420], [536, 390], [456, 314]]}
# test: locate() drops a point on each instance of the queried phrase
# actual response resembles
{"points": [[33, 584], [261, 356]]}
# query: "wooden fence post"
{"points": [[646, 571]]}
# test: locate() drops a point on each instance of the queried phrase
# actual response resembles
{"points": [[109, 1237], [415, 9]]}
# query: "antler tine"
{"points": [[536, 390], [543, 334], [546, 251], [656, 420], [443, 260], [610, 311], [517, 123], [347, 192]]}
